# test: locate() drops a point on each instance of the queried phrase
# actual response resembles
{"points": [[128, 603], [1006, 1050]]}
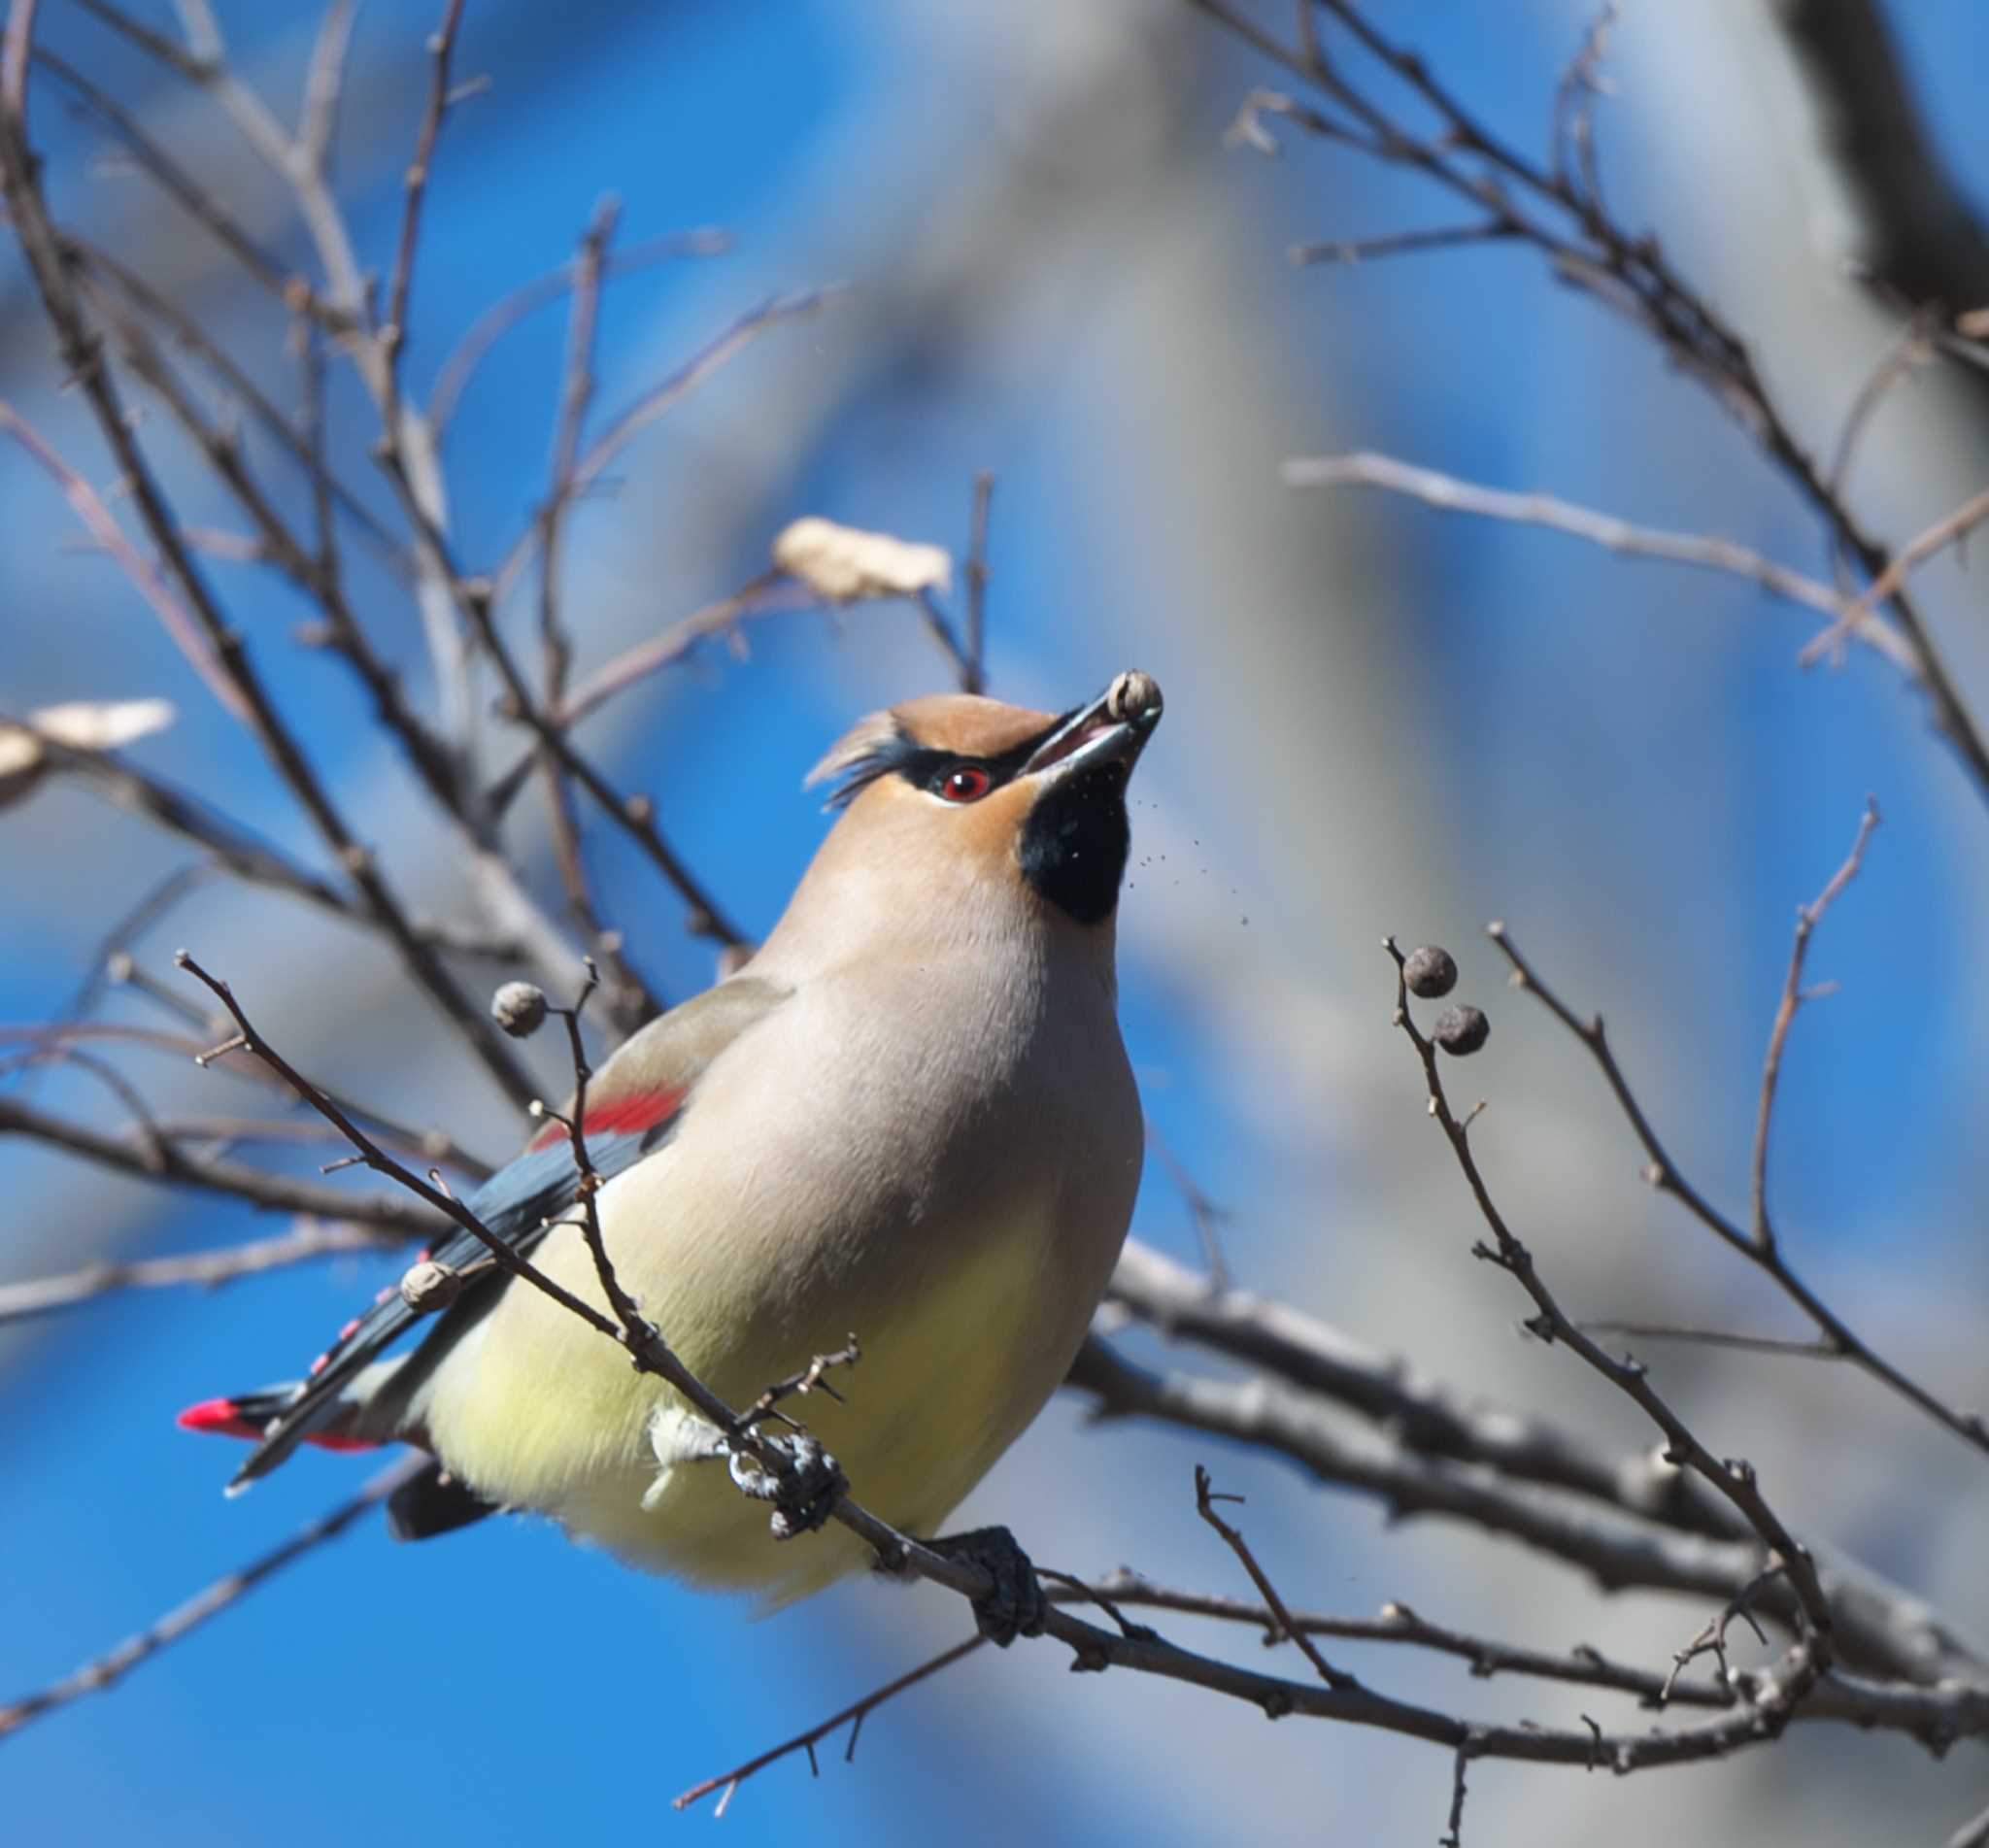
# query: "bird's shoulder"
{"points": [[672, 1052]]}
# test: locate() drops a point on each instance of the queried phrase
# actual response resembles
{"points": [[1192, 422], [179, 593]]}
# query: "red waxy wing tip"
{"points": [[631, 1116]]}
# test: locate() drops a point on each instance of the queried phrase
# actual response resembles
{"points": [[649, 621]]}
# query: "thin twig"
{"points": [[1364, 469], [1563, 216], [1948, 531], [169, 1163], [453, 377], [634, 419], [1350, 251], [1205, 1499], [310, 1239], [1807, 917], [1663, 1174], [82, 356], [1400, 1625], [325, 83], [853, 1716], [635, 815], [1430, 1419], [1716, 1338], [146, 577], [1206, 1215], [188, 334], [771, 593], [1731, 1477], [977, 580], [108, 1669], [393, 332], [631, 999]]}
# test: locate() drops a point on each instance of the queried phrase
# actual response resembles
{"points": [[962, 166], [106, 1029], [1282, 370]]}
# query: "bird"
{"points": [[907, 1118]]}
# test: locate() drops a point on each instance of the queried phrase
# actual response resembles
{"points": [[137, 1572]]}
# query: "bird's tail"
{"points": [[337, 1422], [363, 1416]]}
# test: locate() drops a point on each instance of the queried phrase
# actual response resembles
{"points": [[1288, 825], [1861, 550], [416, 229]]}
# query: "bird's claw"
{"points": [[1017, 1606], [804, 1492]]}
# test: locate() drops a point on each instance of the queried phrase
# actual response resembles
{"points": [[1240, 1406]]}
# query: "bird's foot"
{"points": [[1017, 1606], [804, 1492]]}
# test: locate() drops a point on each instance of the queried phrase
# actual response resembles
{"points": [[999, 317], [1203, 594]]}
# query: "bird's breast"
{"points": [[947, 1176]]}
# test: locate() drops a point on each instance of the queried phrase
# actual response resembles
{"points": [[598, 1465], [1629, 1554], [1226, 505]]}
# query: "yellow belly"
{"points": [[553, 1416]]}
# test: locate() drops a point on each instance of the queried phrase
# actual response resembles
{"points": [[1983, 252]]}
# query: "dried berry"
{"points": [[429, 1286], [1430, 972], [520, 1009], [1462, 1031]]}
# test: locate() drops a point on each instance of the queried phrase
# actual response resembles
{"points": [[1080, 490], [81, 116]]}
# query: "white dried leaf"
{"points": [[83, 724], [86, 725], [841, 563]]}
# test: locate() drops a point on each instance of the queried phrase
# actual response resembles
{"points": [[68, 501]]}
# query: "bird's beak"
{"points": [[1112, 729]]}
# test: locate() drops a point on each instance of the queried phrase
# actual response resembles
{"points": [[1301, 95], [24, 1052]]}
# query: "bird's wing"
{"points": [[633, 1105]]}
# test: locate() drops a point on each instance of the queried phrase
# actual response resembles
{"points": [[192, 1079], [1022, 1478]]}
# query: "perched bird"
{"points": [[909, 1117]]}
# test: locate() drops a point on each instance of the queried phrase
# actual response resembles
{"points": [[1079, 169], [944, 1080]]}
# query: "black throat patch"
{"points": [[1075, 842]]}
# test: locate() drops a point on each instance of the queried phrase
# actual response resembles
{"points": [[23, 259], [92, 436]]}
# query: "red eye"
{"points": [[967, 784]]}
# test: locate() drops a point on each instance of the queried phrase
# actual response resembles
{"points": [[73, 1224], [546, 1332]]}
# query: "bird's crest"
{"points": [[872, 748]]}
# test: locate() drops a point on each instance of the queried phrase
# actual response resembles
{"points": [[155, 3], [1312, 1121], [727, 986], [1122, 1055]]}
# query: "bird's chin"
{"points": [[1075, 842]]}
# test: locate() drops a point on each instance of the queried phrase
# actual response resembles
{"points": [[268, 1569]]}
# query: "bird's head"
{"points": [[978, 807]]}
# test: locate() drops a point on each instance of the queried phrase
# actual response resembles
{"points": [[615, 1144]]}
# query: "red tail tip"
{"points": [[223, 1417]]}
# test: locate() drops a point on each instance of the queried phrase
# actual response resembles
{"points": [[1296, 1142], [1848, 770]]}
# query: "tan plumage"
{"points": [[909, 1117]]}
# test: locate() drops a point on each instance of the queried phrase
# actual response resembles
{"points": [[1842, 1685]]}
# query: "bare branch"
{"points": [[192, 198], [635, 816], [393, 332], [1350, 251], [977, 580], [1948, 531], [1563, 217], [82, 354], [1423, 1414], [501, 317], [108, 1669], [188, 334], [1732, 1478], [1282, 1625], [324, 82], [1806, 921], [1663, 1175], [1365, 469], [175, 1166], [631, 999], [595, 460], [310, 1239], [150, 582], [853, 1716], [1716, 1338]]}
